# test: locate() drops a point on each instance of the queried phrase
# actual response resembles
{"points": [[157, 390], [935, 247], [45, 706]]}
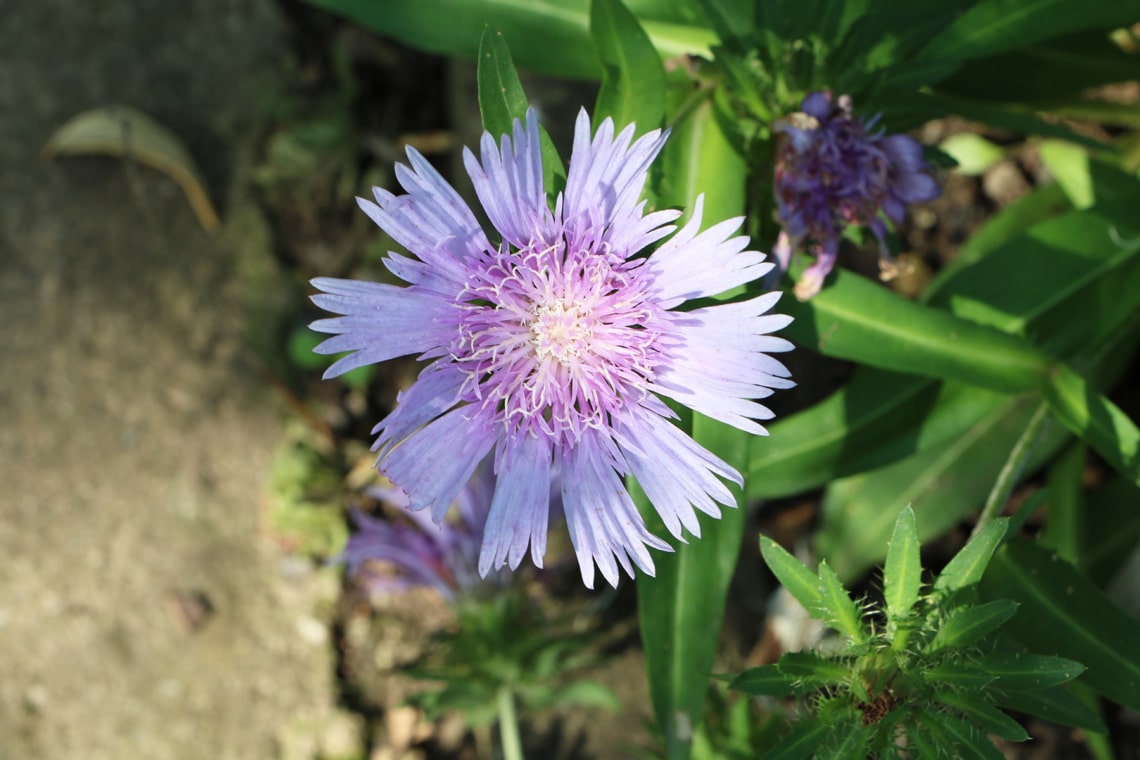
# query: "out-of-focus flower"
{"points": [[552, 347], [442, 556], [833, 170]]}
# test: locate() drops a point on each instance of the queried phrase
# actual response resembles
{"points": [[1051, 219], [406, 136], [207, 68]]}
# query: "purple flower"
{"points": [[443, 556], [833, 170], [552, 348]]}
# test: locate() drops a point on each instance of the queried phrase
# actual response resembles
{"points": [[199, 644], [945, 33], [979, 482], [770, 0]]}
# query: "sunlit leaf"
{"points": [[633, 80], [902, 573], [967, 625], [968, 566]]}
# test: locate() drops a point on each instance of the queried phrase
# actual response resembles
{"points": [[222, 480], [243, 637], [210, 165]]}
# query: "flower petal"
{"points": [[508, 181], [604, 524], [379, 322], [691, 265], [606, 176], [433, 463], [434, 392], [521, 506], [719, 361], [675, 471], [431, 220]]}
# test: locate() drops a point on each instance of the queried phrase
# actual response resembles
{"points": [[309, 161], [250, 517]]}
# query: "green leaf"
{"points": [[1044, 73], [633, 80], [993, 26], [843, 615], [968, 742], [766, 681], [1112, 524], [502, 101], [814, 670], [1069, 165], [984, 715], [974, 153], [942, 486], [1018, 671], [967, 625], [853, 318], [902, 574], [969, 565], [793, 575], [1055, 704], [1062, 612], [1064, 529], [550, 36], [961, 674], [1097, 420], [802, 742], [680, 613], [1036, 206]]}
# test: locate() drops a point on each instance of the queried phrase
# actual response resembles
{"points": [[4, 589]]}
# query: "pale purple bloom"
{"points": [[442, 556], [833, 170], [552, 348]]}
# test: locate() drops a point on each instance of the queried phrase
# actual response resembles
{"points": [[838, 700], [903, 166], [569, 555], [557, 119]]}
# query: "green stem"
{"points": [[1012, 468], [509, 726]]}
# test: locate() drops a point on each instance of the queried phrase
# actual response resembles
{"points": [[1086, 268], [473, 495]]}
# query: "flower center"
{"points": [[555, 342], [561, 330]]}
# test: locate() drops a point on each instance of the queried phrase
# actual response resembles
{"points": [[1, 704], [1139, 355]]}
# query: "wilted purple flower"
{"points": [[833, 170], [552, 347], [442, 556]]}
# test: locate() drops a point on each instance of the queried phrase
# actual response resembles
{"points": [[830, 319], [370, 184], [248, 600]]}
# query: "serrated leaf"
{"points": [[843, 615], [1062, 612], [793, 575], [967, 567], [766, 681], [959, 674], [967, 625], [502, 101], [968, 741], [1055, 704], [902, 573], [1019, 671], [633, 80], [984, 715], [802, 742], [814, 670], [128, 133]]}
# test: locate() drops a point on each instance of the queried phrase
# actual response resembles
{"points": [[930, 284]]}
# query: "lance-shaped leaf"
{"points": [[967, 625], [633, 80], [961, 674], [793, 575], [1062, 612], [958, 738], [842, 614], [902, 573], [967, 566], [1055, 704], [814, 670], [765, 681], [502, 101], [984, 715], [1020, 671], [802, 742]]}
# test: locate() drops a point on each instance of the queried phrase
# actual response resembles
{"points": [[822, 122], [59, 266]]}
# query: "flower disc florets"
{"points": [[552, 346], [833, 170]]}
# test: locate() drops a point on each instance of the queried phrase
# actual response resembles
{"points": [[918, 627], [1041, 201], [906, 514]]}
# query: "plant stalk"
{"points": [[1012, 468], [509, 726]]}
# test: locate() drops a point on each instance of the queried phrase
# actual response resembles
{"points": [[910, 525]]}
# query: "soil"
{"points": [[145, 612]]}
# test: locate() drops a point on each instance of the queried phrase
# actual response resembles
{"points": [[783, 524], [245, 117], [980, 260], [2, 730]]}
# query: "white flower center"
{"points": [[561, 330]]}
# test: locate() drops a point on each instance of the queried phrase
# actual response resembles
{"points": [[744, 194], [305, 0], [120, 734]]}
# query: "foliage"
{"points": [[1035, 319], [923, 673]]}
